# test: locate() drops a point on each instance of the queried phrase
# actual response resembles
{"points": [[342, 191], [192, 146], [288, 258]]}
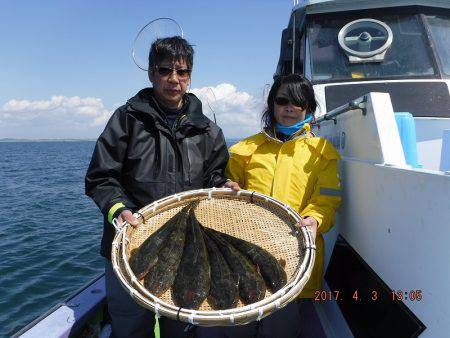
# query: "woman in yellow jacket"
{"points": [[287, 162]]}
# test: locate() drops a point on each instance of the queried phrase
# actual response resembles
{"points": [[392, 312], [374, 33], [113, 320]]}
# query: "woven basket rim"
{"points": [[240, 315]]}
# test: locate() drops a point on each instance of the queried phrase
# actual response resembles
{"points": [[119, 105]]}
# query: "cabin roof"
{"points": [[326, 6]]}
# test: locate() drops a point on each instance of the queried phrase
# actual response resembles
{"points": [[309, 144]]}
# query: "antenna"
{"points": [[266, 90], [208, 102], [293, 44], [155, 29]]}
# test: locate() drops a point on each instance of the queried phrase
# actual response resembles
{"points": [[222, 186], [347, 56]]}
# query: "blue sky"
{"points": [[65, 64]]}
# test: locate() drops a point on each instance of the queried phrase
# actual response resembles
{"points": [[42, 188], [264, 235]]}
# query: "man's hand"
{"points": [[309, 222], [127, 216], [232, 185]]}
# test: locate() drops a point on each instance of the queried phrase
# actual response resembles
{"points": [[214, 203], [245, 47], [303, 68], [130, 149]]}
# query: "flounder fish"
{"points": [[193, 279], [272, 272], [145, 257], [224, 293], [251, 285], [161, 276]]}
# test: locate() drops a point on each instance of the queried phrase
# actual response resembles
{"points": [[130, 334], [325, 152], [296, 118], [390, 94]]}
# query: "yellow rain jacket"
{"points": [[302, 172]]}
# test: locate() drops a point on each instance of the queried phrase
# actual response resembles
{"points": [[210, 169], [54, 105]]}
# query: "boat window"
{"points": [[408, 55], [440, 31]]}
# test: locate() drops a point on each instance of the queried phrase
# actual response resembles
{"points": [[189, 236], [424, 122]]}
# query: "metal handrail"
{"points": [[359, 103]]}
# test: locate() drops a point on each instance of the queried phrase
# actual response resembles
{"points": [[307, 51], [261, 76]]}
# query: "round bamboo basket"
{"points": [[249, 215]]}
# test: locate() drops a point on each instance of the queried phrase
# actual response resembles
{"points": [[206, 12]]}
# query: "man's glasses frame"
{"points": [[182, 73]]}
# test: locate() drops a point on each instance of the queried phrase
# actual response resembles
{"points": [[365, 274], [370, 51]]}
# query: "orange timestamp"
{"points": [[323, 295], [370, 295], [412, 295]]}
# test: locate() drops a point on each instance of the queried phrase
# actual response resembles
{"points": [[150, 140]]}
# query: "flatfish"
{"points": [[224, 293], [251, 285], [162, 274], [272, 272], [145, 257], [192, 283]]}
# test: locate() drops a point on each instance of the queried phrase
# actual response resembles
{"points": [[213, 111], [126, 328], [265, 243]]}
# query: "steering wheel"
{"points": [[365, 38]]}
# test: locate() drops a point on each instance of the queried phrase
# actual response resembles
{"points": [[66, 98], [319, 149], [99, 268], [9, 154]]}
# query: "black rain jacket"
{"points": [[138, 159]]}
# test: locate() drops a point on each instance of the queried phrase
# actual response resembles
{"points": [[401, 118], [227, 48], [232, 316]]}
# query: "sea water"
{"points": [[50, 231]]}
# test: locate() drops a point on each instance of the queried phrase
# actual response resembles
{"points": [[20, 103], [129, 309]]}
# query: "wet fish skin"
{"points": [[224, 293], [162, 275], [251, 285], [273, 273], [193, 279], [145, 257]]}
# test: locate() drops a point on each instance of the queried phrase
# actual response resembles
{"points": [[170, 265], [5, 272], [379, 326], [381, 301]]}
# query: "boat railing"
{"points": [[359, 103], [26, 330]]}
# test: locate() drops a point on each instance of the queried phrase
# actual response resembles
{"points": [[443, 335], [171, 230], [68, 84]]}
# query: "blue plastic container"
{"points": [[445, 152], [407, 132]]}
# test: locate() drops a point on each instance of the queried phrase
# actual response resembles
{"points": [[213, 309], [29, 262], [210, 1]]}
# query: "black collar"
{"points": [[144, 101]]}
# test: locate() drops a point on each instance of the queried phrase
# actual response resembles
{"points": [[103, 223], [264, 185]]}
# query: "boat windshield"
{"points": [[407, 57], [440, 31]]}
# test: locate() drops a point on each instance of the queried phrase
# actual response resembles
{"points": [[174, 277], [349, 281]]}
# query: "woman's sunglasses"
{"points": [[283, 101], [182, 73]]}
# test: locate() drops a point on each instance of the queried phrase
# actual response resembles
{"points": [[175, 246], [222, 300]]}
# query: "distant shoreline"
{"points": [[11, 140], [44, 140]]}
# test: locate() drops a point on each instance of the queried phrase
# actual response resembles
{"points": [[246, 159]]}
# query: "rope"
{"points": [[116, 224], [191, 318], [157, 310], [260, 314], [137, 214]]}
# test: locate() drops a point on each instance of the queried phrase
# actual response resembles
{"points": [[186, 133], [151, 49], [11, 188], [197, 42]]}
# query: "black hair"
{"points": [[173, 49], [300, 91]]}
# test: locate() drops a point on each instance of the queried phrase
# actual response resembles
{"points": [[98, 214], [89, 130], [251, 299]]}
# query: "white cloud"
{"points": [[59, 117], [237, 113]]}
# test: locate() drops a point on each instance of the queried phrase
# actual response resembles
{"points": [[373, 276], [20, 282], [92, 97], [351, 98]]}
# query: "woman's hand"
{"points": [[127, 216], [311, 223], [232, 185]]}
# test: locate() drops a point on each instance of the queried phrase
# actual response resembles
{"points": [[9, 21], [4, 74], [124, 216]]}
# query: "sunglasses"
{"points": [[283, 101], [182, 73]]}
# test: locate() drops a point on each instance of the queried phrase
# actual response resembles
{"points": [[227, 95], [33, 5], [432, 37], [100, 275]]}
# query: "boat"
{"points": [[381, 72]]}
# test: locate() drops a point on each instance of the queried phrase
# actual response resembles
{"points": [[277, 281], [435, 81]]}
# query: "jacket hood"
{"points": [[145, 102], [318, 145], [305, 129]]}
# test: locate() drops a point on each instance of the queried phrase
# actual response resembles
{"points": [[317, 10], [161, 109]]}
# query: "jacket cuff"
{"points": [[115, 210], [219, 181], [318, 217]]}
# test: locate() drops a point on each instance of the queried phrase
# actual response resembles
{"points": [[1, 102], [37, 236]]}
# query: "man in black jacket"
{"points": [[157, 144]]}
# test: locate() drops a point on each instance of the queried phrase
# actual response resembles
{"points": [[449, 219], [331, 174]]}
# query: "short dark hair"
{"points": [[300, 91], [173, 49]]}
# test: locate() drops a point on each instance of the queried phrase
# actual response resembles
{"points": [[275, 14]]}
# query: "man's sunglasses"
{"points": [[283, 101], [182, 73]]}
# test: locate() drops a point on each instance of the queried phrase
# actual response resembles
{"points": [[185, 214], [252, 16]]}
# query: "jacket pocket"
{"points": [[145, 192], [193, 161]]}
